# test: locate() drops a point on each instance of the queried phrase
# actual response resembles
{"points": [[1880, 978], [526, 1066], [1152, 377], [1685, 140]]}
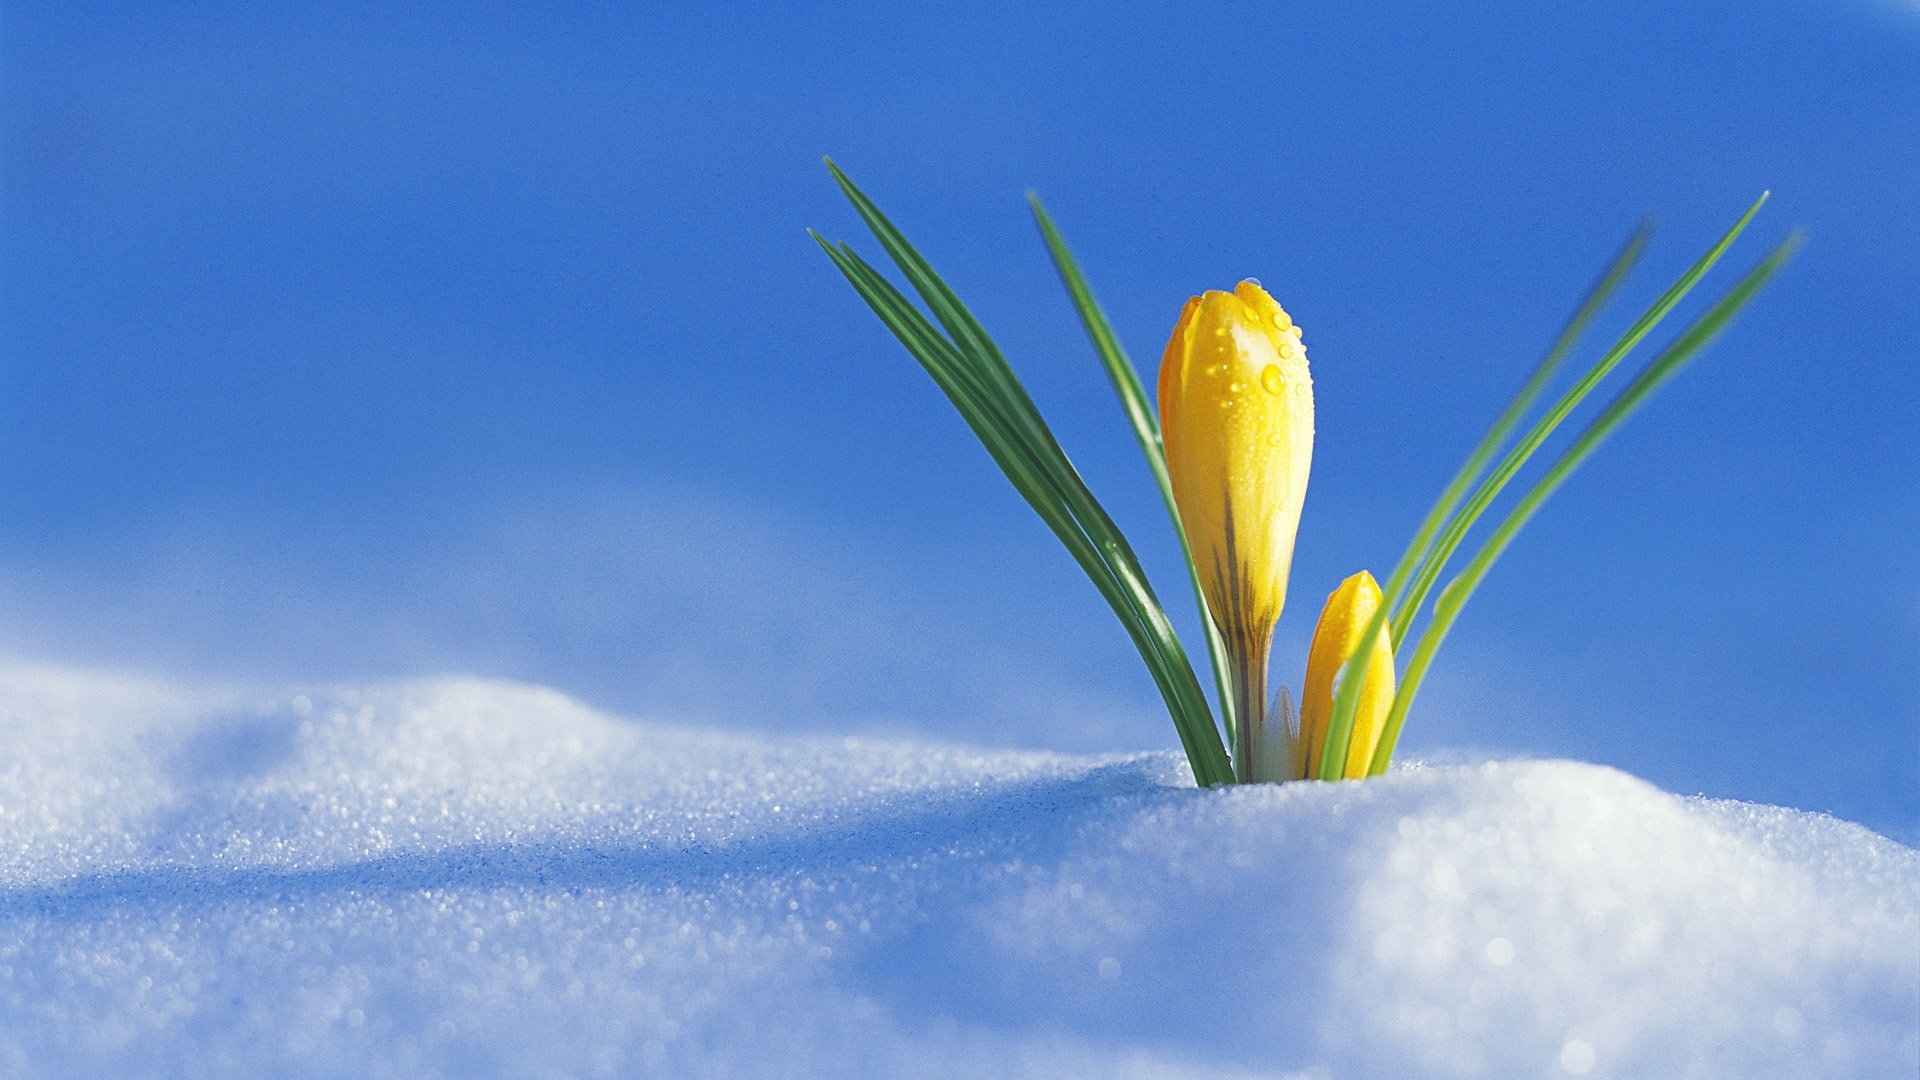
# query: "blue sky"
{"points": [[340, 342]]}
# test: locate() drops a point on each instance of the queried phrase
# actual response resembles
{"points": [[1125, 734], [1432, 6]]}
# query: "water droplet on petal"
{"points": [[1253, 281], [1272, 379], [1234, 388]]}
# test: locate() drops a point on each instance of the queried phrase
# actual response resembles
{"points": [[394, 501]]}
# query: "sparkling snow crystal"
{"points": [[468, 879]]}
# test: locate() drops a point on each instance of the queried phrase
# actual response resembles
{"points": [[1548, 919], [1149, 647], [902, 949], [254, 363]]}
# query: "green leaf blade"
{"points": [[1139, 409], [1496, 435], [969, 367], [1664, 367], [1489, 488], [1442, 549]]}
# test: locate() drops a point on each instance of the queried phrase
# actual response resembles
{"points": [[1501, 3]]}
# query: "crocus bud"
{"points": [[1236, 420], [1342, 623]]}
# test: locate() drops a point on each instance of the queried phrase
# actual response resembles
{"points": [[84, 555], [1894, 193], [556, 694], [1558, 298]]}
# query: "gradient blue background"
{"points": [[339, 342]]}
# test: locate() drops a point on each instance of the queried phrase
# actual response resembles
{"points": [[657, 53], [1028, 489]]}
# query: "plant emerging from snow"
{"points": [[1231, 448]]}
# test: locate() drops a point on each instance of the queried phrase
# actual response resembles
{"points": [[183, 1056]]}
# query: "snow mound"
{"points": [[463, 878]]}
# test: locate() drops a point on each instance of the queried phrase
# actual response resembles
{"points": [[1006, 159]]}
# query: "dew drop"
{"points": [[1216, 369], [1253, 281], [1271, 378], [1234, 388], [1286, 350], [1226, 403]]}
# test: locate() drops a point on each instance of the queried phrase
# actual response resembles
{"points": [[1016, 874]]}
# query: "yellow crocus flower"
{"points": [[1335, 639], [1236, 420]]}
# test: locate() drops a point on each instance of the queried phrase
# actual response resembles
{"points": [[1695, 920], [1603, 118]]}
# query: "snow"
{"points": [[459, 877]]}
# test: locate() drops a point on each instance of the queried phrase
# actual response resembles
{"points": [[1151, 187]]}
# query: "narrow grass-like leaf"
{"points": [[1016, 409], [977, 379], [1120, 370], [1664, 367], [967, 333], [1503, 425], [947, 368], [1334, 751], [1347, 698], [1456, 530], [1138, 406]]}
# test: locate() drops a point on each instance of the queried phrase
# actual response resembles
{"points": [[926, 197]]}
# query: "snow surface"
{"points": [[467, 878]]}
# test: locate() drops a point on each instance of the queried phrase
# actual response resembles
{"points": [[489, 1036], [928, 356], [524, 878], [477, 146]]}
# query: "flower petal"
{"points": [[1342, 622]]}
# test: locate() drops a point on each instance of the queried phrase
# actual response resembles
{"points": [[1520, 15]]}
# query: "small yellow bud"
{"points": [[1236, 419], [1335, 640]]}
